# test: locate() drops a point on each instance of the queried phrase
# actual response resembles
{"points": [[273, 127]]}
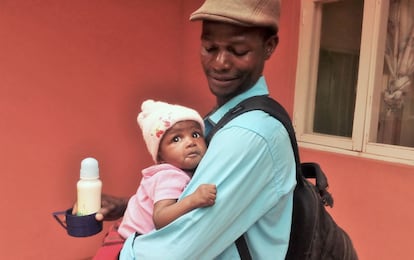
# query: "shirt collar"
{"points": [[260, 88]]}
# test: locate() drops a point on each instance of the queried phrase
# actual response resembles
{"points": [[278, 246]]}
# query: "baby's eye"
{"points": [[196, 135], [176, 139]]}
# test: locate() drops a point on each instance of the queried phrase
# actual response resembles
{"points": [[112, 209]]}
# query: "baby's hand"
{"points": [[205, 195]]}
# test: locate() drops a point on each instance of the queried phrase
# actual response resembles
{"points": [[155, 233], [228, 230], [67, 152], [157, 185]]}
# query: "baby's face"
{"points": [[183, 145]]}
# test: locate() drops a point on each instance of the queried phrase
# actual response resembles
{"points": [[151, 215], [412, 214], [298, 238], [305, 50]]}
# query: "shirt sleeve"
{"points": [[169, 184], [242, 165]]}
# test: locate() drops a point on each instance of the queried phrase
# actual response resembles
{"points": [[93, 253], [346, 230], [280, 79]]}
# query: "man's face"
{"points": [[233, 57]]}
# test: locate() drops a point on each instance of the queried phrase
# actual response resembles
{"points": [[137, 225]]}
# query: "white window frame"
{"points": [[370, 72]]}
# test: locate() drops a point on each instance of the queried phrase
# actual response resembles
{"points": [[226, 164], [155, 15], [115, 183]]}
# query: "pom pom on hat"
{"points": [[156, 117], [263, 13]]}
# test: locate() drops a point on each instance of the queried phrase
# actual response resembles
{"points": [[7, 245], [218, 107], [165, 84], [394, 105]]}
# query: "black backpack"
{"points": [[314, 234]]}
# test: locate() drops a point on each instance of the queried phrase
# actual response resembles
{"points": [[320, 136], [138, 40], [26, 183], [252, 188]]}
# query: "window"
{"points": [[355, 78]]}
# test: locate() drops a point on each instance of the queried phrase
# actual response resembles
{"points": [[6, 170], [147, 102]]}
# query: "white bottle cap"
{"points": [[89, 169]]}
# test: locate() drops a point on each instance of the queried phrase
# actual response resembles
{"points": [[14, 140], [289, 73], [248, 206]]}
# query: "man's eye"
{"points": [[209, 48], [239, 52]]}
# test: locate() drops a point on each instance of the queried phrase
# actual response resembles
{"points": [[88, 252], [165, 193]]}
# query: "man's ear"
{"points": [[270, 45]]}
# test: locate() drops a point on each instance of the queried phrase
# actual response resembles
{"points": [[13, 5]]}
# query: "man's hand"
{"points": [[112, 208]]}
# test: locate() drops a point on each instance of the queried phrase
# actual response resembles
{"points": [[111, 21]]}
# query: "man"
{"points": [[250, 159]]}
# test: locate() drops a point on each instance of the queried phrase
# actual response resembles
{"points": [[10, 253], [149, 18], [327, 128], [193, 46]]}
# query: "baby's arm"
{"points": [[166, 211]]}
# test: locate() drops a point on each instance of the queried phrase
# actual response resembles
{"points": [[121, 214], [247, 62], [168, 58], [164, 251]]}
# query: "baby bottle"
{"points": [[89, 188]]}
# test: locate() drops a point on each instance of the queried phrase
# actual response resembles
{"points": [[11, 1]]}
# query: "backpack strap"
{"points": [[270, 106]]}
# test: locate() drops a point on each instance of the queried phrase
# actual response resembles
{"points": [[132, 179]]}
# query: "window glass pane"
{"points": [[338, 67], [396, 120]]}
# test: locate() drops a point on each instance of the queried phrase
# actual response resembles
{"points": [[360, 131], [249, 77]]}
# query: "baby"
{"points": [[174, 136]]}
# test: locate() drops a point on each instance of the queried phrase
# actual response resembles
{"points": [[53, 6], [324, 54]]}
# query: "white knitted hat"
{"points": [[157, 117]]}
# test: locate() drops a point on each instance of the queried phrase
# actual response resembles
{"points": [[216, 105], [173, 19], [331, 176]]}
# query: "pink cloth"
{"points": [[111, 245], [159, 182]]}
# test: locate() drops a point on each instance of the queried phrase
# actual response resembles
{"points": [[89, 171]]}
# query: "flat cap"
{"points": [[249, 13]]}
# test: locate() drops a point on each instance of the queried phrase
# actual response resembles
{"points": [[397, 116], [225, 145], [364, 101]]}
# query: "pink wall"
{"points": [[373, 202], [72, 76]]}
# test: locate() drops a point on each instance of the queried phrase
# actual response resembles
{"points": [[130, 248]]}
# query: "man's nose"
{"points": [[222, 61]]}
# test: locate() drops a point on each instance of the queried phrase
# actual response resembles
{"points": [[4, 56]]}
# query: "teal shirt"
{"points": [[252, 163]]}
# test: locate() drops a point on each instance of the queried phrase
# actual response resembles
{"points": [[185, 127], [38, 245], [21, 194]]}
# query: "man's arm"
{"points": [[240, 163]]}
